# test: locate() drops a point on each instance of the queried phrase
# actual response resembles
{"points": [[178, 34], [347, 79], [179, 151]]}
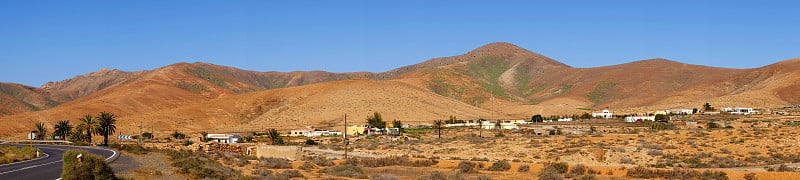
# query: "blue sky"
{"points": [[43, 41]]}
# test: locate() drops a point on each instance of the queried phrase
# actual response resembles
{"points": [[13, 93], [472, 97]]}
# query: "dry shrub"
{"points": [[396, 161], [275, 163], [500, 166], [347, 170], [578, 170], [466, 167], [560, 168], [383, 177], [436, 175], [524, 168], [550, 174]]}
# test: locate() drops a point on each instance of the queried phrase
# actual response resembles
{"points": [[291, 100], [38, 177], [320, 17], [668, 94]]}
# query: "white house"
{"points": [[603, 114], [631, 119], [564, 120], [224, 138], [310, 132], [738, 110], [680, 111]]}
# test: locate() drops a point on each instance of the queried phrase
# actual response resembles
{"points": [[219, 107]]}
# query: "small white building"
{"points": [[224, 138], [564, 120], [310, 132], [738, 110], [679, 111], [603, 114], [631, 119]]}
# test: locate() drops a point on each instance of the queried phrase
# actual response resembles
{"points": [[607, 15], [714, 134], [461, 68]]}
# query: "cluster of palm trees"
{"points": [[103, 124]]}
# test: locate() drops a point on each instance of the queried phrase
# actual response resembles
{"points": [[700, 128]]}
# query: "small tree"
{"points": [[707, 107], [203, 136], [661, 117], [376, 120], [397, 124], [178, 135], [537, 118], [586, 115], [439, 125], [147, 135]]}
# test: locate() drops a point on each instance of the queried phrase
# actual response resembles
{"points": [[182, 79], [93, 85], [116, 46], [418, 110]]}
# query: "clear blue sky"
{"points": [[43, 41]]}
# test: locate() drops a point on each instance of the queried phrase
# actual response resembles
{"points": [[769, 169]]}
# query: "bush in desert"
{"points": [[577, 170], [524, 168], [275, 163], [347, 170], [466, 167], [560, 168], [550, 174], [90, 166], [500, 166], [383, 177], [320, 160], [750, 176], [436, 175]]}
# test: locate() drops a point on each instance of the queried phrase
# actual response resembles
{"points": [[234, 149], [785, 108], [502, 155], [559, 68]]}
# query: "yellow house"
{"points": [[355, 129]]}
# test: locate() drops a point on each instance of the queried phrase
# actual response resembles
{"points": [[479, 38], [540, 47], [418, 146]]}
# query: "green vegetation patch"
{"points": [[10, 154], [488, 68], [601, 91], [585, 109], [192, 86], [209, 76], [439, 85], [89, 166]]}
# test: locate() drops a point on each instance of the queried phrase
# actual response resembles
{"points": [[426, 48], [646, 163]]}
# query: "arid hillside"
{"points": [[522, 83]]}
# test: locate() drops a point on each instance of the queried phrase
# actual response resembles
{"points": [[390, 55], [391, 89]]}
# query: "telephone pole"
{"points": [[346, 142]]}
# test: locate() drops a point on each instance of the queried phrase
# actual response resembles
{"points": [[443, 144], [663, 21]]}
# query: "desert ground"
{"points": [[689, 147]]}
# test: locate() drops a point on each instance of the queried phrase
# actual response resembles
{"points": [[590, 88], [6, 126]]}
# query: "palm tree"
{"points": [[62, 129], [40, 131], [89, 125], [275, 136], [106, 122]]}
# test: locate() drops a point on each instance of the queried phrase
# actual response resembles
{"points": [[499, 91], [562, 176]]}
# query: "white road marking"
{"points": [[20, 169], [45, 155]]}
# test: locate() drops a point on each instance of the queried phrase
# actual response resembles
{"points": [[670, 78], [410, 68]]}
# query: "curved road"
{"points": [[50, 164]]}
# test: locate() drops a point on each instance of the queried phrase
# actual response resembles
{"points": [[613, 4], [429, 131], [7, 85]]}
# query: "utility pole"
{"points": [[140, 132], [346, 142]]}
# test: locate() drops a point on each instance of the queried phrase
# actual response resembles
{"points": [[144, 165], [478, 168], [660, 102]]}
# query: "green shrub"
{"points": [[90, 166], [500, 166], [345, 171]]}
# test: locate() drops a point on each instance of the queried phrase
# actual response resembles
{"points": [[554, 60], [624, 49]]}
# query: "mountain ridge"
{"points": [[498, 80]]}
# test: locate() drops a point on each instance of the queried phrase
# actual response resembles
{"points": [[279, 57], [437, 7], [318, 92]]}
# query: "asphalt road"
{"points": [[50, 164]]}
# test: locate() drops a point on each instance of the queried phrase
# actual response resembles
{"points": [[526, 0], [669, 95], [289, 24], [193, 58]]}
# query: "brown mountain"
{"points": [[201, 96]]}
